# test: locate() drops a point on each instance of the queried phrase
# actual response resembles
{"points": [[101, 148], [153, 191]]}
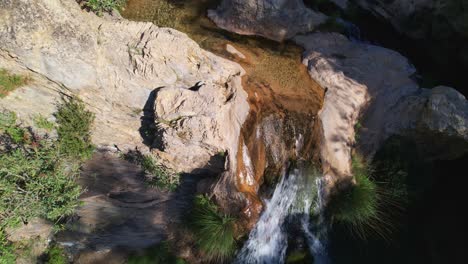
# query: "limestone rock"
{"points": [[367, 80], [116, 66], [277, 20]]}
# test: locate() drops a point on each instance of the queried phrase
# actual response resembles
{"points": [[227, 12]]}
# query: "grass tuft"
{"points": [[214, 231], [9, 82], [359, 205]]}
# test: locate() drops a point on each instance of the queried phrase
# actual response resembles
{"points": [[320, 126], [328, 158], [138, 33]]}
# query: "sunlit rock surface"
{"points": [[375, 85], [120, 69]]}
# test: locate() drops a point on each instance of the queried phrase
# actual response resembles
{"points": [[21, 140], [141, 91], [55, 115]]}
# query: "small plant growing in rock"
{"points": [[42, 122], [9, 82], [157, 174], [74, 128], [56, 255], [101, 6], [214, 231]]}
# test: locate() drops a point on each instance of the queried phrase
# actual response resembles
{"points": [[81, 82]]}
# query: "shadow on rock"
{"points": [[120, 212]]}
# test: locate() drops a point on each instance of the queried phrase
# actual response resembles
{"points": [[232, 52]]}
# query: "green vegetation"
{"points": [[11, 131], [42, 122], [56, 255], [9, 82], [74, 129], [101, 6], [214, 231], [7, 251], [357, 205], [38, 174], [297, 257], [160, 254], [34, 179], [159, 175]]}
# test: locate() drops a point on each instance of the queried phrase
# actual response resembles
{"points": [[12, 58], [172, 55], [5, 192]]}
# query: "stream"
{"points": [[297, 194], [284, 103]]}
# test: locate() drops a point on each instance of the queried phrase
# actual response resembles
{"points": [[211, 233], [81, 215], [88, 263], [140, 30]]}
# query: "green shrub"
{"points": [[159, 176], [8, 126], [34, 182], [214, 231], [42, 122], [160, 254], [101, 6], [74, 129], [7, 251], [56, 255], [9, 82]]}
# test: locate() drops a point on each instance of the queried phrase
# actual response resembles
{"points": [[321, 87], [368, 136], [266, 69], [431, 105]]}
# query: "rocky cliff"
{"points": [[121, 70], [368, 82]]}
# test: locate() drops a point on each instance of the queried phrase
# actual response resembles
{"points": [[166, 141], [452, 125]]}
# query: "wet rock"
{"points": [[116, 67], [277, 20]]}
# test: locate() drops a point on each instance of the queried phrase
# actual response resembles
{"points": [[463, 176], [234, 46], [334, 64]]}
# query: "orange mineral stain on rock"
{"points": [[284, 100]]}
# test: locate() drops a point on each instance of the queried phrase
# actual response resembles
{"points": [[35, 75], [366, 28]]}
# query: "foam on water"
{"points": [[297, 193]]}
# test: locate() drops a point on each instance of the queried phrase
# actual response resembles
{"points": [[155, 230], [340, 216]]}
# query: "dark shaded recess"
{"points": [[136, 205], [149, 131], [431, 229], [439, 58]]}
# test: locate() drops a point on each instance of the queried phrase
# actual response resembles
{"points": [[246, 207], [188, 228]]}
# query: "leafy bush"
{"points": [[42, 122], [74, 129], [101, 6], [8, 126], [7, 254], [159, 176], [35, 182], [55, 255], [9, 82], [214, 231], [160, 254]]}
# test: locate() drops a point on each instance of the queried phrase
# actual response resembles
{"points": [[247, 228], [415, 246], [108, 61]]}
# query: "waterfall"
{"points": [[297, 192]]}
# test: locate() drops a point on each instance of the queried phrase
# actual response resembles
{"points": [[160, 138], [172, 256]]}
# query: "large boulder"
{"points": [[377, 84], [278, 20], [121, 69]]}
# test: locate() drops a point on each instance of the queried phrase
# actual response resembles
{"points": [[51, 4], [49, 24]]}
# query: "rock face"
{"points": [[278, 20], [375, 83], [120, 211], [422, 18], [121, 69], [434, 32]]}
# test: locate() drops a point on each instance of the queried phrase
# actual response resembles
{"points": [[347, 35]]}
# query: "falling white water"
{"points": [[316, 234], [294, 194]]}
